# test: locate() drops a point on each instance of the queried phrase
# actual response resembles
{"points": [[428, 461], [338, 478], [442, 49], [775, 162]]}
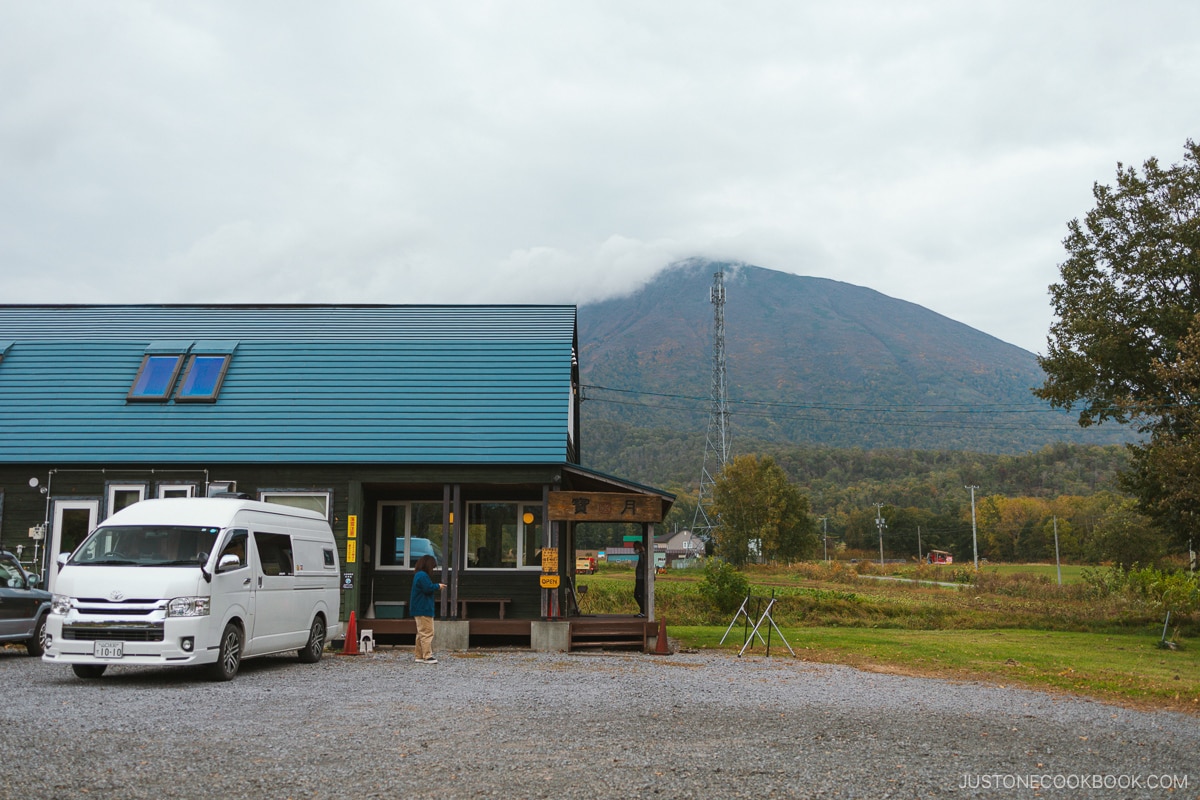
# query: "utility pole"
{"points": [[716, 444], [825, 535], [974, 536], [918, 543], [879, 523]]}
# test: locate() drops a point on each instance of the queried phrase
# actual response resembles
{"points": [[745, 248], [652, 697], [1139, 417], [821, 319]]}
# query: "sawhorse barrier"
{"points": [[765, 616]]}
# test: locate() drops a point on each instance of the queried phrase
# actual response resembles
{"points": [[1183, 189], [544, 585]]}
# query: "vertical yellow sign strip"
{"points": [[352, 526], [351, 551]]}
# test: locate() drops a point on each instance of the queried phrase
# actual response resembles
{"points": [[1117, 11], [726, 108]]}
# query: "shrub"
{"points": [[723, 587], [1104, 581], [1177, 592]]}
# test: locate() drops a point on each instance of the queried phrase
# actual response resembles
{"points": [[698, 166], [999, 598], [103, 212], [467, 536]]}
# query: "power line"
{"points": [[924, 408], [1066, 425]]}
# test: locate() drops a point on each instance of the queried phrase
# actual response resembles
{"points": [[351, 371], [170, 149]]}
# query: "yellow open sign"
{"points": [[549, 581]]}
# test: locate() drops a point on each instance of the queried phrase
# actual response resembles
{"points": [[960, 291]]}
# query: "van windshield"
{"points": [[147, 546]]}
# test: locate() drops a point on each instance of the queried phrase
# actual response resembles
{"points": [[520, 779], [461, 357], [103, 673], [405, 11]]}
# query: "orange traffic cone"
{"points": [[350, 648], [661, 648]]}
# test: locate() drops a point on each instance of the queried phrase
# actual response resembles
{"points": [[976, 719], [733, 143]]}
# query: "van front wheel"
{"points": [[311, 652], [230, 655]]}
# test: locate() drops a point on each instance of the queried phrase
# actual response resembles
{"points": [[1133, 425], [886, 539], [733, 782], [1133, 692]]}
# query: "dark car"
{"points": [[23, 606]]}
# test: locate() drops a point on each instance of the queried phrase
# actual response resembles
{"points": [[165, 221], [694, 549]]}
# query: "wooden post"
{"points": [[354, 508], [546, 539], [447, 515], [648, 539], [457, 529]]}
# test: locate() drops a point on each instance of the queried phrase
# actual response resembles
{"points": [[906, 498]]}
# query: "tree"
{"points": [[1126, 306], [1008, 527], [756, 504], [1126, 538], [1164, 472]]}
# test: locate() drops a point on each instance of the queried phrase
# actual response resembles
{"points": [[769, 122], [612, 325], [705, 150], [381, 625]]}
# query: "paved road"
{"points": [[515, 724]]}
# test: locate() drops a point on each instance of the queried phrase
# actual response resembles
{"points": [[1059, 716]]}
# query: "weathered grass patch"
{"points": [[853, 601], [1123, 667], [1005, 626]]}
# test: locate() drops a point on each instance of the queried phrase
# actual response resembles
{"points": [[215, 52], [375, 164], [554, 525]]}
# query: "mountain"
{"points": [[809, 361]]}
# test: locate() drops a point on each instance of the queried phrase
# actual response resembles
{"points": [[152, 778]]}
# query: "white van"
{"points": [[196, 581]]}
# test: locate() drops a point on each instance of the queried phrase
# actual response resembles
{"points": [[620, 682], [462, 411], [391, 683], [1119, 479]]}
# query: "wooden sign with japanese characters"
{"points": [[604, 507]]}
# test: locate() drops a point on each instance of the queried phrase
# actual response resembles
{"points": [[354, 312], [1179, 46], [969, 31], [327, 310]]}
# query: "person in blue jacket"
{"points": [[420, 603]]}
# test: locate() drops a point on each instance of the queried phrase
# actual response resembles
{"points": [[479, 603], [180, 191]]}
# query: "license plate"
{"points": [[109, 650]]}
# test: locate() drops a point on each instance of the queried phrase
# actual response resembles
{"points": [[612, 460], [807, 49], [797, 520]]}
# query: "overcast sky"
{"points": [[551, 152]]}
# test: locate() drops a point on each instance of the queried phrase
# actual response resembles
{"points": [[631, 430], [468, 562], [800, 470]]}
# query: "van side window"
{"points": [[236, 546], [274, 553], [328, 557]]}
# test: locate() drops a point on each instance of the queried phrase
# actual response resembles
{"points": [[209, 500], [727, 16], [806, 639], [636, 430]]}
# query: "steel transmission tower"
{"points": [[716, 443]]}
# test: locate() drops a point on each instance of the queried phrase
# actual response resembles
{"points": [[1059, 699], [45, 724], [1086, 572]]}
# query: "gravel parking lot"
{"points": [[516, 724]]}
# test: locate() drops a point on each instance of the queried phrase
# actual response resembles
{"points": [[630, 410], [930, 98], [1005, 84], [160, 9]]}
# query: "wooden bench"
{"points": [[464, 602]]}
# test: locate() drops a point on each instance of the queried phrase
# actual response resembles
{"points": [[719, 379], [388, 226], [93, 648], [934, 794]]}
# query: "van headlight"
{"points": [[60, 604], [188, 607]]}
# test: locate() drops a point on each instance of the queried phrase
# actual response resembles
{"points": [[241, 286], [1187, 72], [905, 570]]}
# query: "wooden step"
{"points": [[591, 632]]}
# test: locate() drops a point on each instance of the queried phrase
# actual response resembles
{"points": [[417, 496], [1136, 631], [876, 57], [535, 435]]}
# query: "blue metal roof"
{"points": [[285, 322], [306, 384]]}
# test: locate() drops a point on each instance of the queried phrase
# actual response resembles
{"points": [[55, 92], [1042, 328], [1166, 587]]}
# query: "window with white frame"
{"points": [[504, 535], [313, 501], [123, 495], [177, 490], [405, 531]]}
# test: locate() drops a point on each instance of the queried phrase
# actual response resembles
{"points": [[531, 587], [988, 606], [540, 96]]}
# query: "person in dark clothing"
{"points": [[639, 578], [420, 603]]}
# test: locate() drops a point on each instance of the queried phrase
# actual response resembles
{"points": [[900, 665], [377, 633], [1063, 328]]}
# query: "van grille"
{"points": [[107, 634], [128, 608]]}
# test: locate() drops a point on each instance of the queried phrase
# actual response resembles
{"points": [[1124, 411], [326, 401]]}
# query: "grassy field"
{"points": [[1015, 626], [1071, 573], [1123, 668]]}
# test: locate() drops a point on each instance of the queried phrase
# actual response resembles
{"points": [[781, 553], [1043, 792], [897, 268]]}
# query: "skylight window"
{"points": [[202, 365], [156, 377], [205, 372], [202, 378]]}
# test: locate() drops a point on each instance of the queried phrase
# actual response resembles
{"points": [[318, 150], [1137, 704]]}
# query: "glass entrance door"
{"points": [[73, 521]]}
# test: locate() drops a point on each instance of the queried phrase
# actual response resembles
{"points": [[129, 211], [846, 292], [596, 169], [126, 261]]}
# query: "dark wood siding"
{"points": [[25, 506]]}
